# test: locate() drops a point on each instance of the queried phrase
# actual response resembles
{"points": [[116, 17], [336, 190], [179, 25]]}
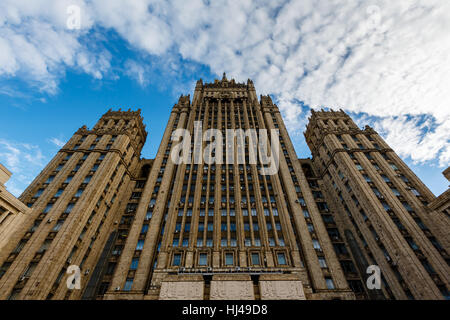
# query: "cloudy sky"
{"points": [[387, 63]]}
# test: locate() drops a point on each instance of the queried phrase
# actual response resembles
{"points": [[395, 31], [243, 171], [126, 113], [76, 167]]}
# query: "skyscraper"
{"points": [[383, 207], [185, 226]]}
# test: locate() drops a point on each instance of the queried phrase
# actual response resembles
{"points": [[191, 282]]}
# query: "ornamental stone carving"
{"points": [[282, 290], [182, 290], [231, 290]]}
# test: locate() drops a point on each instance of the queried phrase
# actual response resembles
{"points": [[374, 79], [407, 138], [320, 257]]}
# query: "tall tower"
{"points": [[12, 211], [381, 207], [74, 201], [223, 230]]}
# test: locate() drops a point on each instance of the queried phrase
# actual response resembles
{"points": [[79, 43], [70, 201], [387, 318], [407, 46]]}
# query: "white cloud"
{"points": [[136, 71], [416, 138], [386, 59], [23, 160], [57, 142]]}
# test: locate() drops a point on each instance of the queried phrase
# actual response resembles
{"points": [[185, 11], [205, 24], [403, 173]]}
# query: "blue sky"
{"points": [[385, 64]]}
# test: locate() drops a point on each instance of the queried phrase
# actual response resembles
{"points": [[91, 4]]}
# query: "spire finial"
{"points": [[224, 77]]}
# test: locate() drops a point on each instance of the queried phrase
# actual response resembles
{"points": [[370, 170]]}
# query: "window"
{"points": [[322, 263], [203, 259], [69, 208], [316, 244], [255, 259], [407, 206], [271, 242], [393, 166], [79, 193], [128, 284], [340, 248], [134, 264], [50, 179], [376, 192], [411, 243], [229, 259], [117, 250], [330, 283], [48, 208], [140, 245], [38, 193], [110, 268], [58, 225], [136, 195], [385, 206], [45, 246], [58, 193], [281, 258], [302, 202], [30, 269], [395, 191], [176, 259], [144, 229]]}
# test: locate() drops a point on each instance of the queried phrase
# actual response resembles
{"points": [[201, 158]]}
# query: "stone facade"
{"points": [[386, 215], [153, 229], [13, 212]]}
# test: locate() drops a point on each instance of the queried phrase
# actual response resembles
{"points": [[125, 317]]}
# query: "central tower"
{"points": [[224, 230]]}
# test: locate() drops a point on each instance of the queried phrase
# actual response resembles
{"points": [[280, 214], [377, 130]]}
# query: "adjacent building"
{"points": [[13, 212], [135, 228]]}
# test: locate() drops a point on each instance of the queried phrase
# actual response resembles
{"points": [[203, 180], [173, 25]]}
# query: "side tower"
{"points": [[382, 207], [74, 200], [12, 211], [224, 230]]}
